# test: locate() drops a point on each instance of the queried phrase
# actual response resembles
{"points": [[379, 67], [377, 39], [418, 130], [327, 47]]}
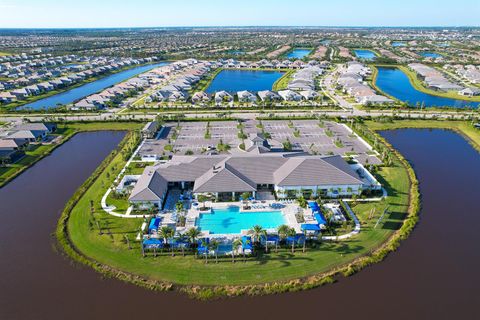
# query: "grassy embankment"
{"points": [[463, 128], [275, 272], [36, 152], [418, 85], [282, 82]]}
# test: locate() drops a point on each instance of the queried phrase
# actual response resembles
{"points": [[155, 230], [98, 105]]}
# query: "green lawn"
{"points": [[282, 83], [112, 250]]}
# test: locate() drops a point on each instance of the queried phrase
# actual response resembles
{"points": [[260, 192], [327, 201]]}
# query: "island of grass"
{"points": [[418, 84], [107, 243]]}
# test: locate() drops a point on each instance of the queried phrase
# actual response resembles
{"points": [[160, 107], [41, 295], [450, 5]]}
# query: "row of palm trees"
{"points": [[193, 237]]}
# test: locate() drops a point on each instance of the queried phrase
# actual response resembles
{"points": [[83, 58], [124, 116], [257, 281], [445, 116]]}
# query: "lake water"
{"points": [[238, 80], [298, 53], [398, 44], [396, 83], [236, 52], [365, 54], [78, 93], [430, 55], [431, 276]]}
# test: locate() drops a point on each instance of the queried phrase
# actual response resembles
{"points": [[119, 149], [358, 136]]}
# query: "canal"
{"points": [[431, 276], [395, 82], [78, 93]]}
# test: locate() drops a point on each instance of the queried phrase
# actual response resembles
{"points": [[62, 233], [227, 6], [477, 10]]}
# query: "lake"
{"points": [[78, 93], [365, 54], [431, 276], [396, 83], [239, 80], [398, 44], [431, 55], [299, 53]]}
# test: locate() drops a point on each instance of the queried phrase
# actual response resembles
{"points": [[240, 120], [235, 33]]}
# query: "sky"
{"points": [[168, 13]]}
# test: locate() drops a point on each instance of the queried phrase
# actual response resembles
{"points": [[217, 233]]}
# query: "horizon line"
{"points": [[243, 26]]}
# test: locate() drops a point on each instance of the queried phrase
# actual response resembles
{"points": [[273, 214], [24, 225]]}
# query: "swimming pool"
{"points": [[231, 221]]}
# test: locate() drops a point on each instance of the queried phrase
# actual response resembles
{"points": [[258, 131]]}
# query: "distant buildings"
{"points": [[15, 139], [351, 80], [433, 78]]}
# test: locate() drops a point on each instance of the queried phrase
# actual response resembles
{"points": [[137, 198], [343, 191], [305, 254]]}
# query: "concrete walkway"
{"points": [[111, 209], [354, 232]]}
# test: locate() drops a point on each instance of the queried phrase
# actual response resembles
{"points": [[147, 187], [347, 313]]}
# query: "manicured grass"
{"points": [[111, 249], [282, 83]]}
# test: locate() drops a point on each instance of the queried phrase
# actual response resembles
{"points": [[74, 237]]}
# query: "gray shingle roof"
{"points": [[223, 178], [150, 187], [242, 173], [315, 171]]}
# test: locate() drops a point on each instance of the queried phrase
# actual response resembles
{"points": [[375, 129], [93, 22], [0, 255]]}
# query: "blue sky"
{"points": [[151, 13]]}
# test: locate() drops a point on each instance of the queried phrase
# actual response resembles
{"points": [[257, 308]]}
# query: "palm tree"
{"points": [[214, 245], [192, 235], [283, 231], [304, 240], [167, 233], [237, 243], [245, 196], [202, 198], [265, 234], [256, 232], [206, 246], [179, 206], [181, 239], [292, 233]]}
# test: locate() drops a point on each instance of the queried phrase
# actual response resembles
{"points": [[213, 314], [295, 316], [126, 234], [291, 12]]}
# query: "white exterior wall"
{"points": [[342, 189]]}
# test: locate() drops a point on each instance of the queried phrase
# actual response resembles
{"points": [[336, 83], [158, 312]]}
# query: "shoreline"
{"points": [[376, 254]]}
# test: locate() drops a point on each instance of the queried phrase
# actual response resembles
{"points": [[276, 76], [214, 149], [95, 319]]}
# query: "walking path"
{"points": [[111, 209], [354, 232]]}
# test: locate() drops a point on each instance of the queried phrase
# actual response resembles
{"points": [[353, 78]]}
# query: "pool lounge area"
{"points": [[231, 220], [228, 220]]}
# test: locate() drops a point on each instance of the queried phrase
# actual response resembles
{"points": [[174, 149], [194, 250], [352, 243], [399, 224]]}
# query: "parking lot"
{"points": [[312, 136]]}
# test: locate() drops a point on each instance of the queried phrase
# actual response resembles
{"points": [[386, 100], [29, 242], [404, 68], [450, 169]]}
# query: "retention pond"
{"points": [[431, 276]]}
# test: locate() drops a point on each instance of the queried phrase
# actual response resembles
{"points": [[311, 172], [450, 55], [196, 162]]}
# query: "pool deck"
{"points": [[288, 211]]}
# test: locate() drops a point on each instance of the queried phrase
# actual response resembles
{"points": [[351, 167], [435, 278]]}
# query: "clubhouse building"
{"points": [[258, 172]]}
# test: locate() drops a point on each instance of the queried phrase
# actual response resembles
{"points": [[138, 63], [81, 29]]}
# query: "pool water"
{"points": [[231, 221]]}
